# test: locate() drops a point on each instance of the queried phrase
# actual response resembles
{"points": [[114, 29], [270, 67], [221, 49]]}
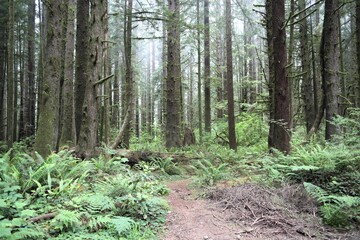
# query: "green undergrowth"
{"points": [[97, 199]]}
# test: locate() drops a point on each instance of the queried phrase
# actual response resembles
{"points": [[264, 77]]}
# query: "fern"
{"points": [[208, 173], [336, 210], [98, 222], [121, 224], [66, 220], [95, 203], [28, 233]]}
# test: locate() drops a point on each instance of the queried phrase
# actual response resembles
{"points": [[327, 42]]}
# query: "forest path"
{"points": [[195, 219], [191, 218]]}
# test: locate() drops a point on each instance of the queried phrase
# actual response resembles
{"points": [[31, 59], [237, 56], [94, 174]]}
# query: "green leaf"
{"points": [[3, 204], [5, 232], [20, 204], [27, 213], [18, 222]]}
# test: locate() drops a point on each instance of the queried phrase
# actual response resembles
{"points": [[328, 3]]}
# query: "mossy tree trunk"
{"points": [[67, 132], [82, 62], [330, 55], [10, 78], [271, 77], [282, 101], [307, 86], [88, 140], [357, 88], [128, 106], [207, 96], [3, 57], [199, 69], [173, 93], [29, 82], [229, 78], [48, 124]]}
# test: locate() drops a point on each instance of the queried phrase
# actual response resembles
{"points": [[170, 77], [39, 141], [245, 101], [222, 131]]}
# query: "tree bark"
{"points": [[307, 88], [29, 83], [282, 101], [3, 57], [67, 136], [219, 74], [82, 65], [199, 69], [129, 81], [88, 140], [48, 128], [173, 100], [357, 89], [271, 79], [229, 77], [330, 54], [207, 67], [10, 78]]}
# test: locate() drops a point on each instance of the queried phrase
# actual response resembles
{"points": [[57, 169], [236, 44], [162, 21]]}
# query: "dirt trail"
{"points": [[191, 219]]}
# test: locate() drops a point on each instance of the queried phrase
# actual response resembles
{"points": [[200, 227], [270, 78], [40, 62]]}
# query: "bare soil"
{"points": [[246, 212]]}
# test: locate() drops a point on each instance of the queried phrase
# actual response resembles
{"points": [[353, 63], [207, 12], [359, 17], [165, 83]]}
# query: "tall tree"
{"points": [[48, 128], [282, 101], [307, 88], [207, 67], [357, 91], [10, 78], [3, 57], [129, 78], [29, 83], [229, 77], [86, 147], [271, 78], [173, 99], [82, 66], [67, 133], [199, 68], [330, 54]]}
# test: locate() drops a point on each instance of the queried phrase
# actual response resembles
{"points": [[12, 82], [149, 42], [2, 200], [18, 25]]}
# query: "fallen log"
{"points": [[135, 157], [42, 217]]}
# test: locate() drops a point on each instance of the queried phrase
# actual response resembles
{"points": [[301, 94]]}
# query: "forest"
{"points": [[180, 119]]}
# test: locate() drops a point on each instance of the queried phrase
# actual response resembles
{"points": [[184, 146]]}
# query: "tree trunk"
{"points": [[10, 78], [29, 83], [173, 100], [229, 77], [330, 53], [82, 65], [129, 82], [116, 100], [48, 128], [307, 88], [219, 74], [357, 89], [199, 68], [88, 140], [68, 92], [207, 67], [291, 61], [3, 57], [271, 79], [282, 99]]}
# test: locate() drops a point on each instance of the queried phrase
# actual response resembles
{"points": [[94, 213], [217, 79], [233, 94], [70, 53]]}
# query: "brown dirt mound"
{"points": [[286, 213]]}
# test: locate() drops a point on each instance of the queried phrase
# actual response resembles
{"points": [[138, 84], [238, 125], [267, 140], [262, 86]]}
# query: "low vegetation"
{"points": [[63, 197]]}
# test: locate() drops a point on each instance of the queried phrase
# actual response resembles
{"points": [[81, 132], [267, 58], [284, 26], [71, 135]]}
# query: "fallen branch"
{"points": [[46, 216]]}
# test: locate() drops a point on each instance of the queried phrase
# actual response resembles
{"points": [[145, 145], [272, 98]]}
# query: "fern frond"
{"points": [[66, 219], [122, 224]]}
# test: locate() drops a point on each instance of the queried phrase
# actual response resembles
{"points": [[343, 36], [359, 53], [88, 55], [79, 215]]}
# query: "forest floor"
{"points": [[245, 212]]}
